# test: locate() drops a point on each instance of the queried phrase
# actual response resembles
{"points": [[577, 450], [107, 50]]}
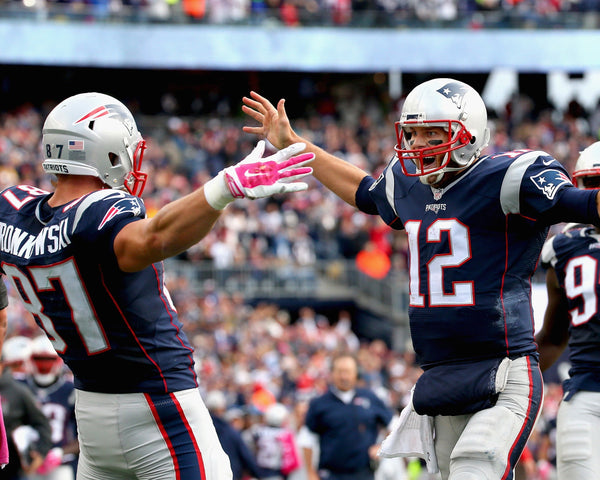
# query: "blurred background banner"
{"points": [[281, 48]]}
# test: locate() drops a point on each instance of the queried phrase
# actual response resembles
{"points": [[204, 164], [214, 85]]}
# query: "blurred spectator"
{"points": [[274, 443], [27, 428], [342, 13], [526, 469], [194, 9], [436, 10], [55, 392], [372, 261], [242, 460]]}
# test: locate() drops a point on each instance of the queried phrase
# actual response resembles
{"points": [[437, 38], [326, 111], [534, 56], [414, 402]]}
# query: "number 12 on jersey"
{"points": [[458, 252]]}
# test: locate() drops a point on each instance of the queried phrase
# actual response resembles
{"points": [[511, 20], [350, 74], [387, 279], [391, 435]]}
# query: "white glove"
{"points": [[257, 177]]}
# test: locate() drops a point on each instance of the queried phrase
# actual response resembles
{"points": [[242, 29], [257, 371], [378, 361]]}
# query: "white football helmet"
{"points": [[215, 400], [587, 168], [95, 134], [459, 110], [46, 365], [276, 415], [16, 350]]}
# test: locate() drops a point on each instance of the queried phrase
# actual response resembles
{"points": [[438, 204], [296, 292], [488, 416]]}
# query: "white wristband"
{"points": [[217, 193]]}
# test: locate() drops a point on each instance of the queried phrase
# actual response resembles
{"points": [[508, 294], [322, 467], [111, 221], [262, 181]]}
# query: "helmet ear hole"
{"points": [[114, 159]]}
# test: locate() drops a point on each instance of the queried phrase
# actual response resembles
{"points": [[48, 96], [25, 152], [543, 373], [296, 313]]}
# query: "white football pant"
{"points": [[148, 437], [578, 437], [486, 445]]}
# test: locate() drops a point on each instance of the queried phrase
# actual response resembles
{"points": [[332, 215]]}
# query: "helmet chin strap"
{"points": [[432, 178], [436, 177]]}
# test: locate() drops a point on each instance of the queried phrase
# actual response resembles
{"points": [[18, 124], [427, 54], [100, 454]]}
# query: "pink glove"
{"points": [[53, 459], [257, 177]]}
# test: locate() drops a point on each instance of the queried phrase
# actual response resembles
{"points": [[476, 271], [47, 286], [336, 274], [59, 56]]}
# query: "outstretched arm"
{"points": [[184, 222], [341, 177], [554, 335]]}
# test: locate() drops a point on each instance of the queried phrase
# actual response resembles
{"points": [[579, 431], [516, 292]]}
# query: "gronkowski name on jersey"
{"points": [[473, 247], [117, 331]]}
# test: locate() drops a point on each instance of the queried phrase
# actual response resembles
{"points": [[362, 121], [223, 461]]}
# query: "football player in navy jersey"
{"points": [[572, 259], [56, 395], [476, 225], [87, 263]]}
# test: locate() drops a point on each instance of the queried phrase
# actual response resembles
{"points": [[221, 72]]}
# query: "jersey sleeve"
{"points": [[101, 215], [383, 192], [537, 180], [363, 199], [538, 187]]}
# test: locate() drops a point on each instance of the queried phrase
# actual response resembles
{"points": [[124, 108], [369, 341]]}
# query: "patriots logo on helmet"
{"points": [[94, 114], [550, 181], [455, 92], [103, 111]]}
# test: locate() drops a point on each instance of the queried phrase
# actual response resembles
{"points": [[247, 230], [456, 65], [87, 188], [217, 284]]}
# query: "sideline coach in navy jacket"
{"points": [[347, 421]]}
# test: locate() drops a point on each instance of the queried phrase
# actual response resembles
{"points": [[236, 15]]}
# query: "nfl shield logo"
{"points": [[437, 193]]}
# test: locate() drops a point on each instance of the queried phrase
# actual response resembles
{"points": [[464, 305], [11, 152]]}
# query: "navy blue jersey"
{"points": [[57, 401], [118, 332], [575, 257], [473, 247]]}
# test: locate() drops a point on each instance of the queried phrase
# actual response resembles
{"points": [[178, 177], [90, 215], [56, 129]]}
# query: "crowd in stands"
{"points": [[184, 153], [293, 13], [257, 355]]}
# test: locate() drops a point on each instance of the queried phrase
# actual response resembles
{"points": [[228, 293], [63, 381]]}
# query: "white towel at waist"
{"points": [[411, 436]]}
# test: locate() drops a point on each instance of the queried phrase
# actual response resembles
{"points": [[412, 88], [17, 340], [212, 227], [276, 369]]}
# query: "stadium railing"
{"points": [[329, 280]]}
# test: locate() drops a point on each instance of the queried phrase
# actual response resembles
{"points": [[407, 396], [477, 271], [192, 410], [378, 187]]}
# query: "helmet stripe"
{"points": [[96, 113]]}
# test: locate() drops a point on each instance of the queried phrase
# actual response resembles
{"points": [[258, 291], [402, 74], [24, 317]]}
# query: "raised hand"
{"points": [[258, 177], [274, 123]]}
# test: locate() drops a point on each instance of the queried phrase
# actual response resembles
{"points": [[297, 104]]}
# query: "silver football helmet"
{"points": [[459, 110], [276, 415], [587, 168], [16, 350], [95, 134]]}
